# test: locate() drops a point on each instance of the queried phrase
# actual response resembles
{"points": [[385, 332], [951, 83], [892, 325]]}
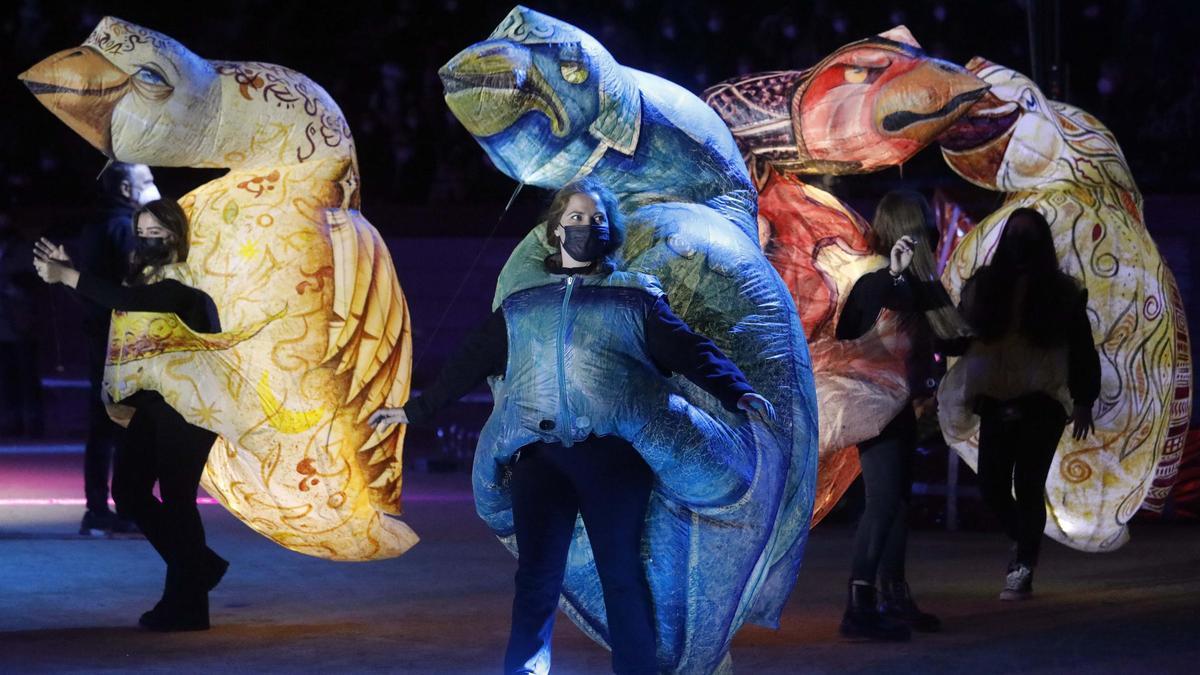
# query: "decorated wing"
{"points": [[869, 105], [318, 331], [1064, 163], [728, 522]]}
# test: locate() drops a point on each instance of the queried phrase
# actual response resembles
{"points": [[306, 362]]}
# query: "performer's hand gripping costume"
{"points": [[729, 516], [317, 329], [870, 105], [1062, 162]]}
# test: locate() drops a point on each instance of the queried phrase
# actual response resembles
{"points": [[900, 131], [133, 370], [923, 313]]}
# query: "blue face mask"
{"points": [[586, 243]]}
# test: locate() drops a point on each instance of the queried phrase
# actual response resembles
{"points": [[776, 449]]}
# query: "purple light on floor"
{"points": [[55, 501]]}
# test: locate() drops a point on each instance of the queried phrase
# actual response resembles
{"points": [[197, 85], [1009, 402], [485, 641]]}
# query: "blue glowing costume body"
{"points": [[730, 512]]}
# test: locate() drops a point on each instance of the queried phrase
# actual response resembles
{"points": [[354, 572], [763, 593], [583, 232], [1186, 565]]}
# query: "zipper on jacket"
{"points": [[565, 430]]}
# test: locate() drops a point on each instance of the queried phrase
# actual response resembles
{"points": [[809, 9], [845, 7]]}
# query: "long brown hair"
{"points": [[171, 216], [558, 205], [1026, 247], [906, 213]]}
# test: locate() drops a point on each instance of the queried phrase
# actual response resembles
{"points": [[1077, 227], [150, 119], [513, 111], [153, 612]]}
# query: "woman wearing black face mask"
{"points": [[1032, 361], [551, 340], [159, 445]]}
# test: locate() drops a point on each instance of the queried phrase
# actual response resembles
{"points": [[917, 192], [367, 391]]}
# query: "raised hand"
{"points": [[902, 255], [44, 248]]}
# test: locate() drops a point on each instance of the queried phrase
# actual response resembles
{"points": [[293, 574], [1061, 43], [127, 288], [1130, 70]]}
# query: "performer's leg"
{"points": [[135, 470], [1042, 426], [614, 484], [882, 470], [895, 597], [997, 447], [895, 547], [182, 451], [544, 512]]}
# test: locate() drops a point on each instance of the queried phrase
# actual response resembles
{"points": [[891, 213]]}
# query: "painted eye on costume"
{"points": [[149, 75], [853, 74], [151, 83], [574, 72]]}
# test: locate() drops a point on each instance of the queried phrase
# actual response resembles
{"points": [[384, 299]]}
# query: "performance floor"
{"points": [[70, 603]]}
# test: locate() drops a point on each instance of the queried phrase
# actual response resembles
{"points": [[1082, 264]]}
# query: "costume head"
{"points": [[870, 104], [534, 88]]}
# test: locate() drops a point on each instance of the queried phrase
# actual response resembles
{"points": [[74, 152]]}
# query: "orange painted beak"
{"points": [[81, 88], [920, 104]]}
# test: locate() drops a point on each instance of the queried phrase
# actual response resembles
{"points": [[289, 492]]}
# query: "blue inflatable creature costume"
{"points": [[729, 516]]}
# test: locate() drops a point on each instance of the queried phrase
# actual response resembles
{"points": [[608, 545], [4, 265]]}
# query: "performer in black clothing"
{"points": [[1032, 361], [160, 445], [106, 244], [903, 229], [602, 477]]}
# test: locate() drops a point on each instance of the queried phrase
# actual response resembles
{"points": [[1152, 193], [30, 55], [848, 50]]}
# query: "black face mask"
{"points": [[586, 244], [153, 250]]}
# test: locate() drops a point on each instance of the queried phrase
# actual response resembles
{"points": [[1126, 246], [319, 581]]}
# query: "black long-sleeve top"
{"points": [[872, 293], [192, 305], [673, 347]]}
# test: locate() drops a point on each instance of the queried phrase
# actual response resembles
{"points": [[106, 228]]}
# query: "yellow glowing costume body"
{"points": [[1064, 163], [317, 330]]}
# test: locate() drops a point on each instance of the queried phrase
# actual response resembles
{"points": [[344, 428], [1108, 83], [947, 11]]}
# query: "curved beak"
{"points": [[81, 87], [491, 84], [920, 104]]}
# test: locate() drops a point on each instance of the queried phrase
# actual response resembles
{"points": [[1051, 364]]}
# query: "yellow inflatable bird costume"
{"points": [[318, 331]]}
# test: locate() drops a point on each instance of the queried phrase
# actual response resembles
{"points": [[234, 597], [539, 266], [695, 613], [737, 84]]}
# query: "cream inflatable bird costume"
{"points": [[318, 331]]}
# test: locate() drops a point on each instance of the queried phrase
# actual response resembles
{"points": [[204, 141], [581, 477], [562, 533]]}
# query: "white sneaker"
{"points": [[1018, 584]]}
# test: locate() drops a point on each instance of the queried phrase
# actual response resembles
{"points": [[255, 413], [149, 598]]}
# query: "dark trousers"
{"points": [[607, 482], [161, 446], [103, 434], [1017, 441], [881, 541]]}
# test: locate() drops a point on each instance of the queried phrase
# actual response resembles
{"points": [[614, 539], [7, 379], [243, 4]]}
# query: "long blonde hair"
{"points": [[906, 213]]}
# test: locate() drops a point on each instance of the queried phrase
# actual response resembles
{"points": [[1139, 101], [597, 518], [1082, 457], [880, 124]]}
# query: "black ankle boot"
{"points": [[183, 607], [862, 620], [180, 614], [896, 602]]}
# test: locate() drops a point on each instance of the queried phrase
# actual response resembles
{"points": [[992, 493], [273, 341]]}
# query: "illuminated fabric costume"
{"points": [[317, 331], [1062, 162], [729, 517], [869, 105]]}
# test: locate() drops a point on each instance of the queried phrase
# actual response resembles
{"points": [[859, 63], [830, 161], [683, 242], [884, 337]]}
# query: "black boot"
{"points": [[862, 620], [896, 602], [184, 606]]}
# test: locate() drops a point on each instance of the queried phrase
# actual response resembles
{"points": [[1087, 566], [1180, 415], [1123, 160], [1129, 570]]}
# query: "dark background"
{"points": [[1133, 64]]}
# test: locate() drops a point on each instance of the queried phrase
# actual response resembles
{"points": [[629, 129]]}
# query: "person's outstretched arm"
{"points": [[1083, 368], [676, 348], [484, 352]]}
